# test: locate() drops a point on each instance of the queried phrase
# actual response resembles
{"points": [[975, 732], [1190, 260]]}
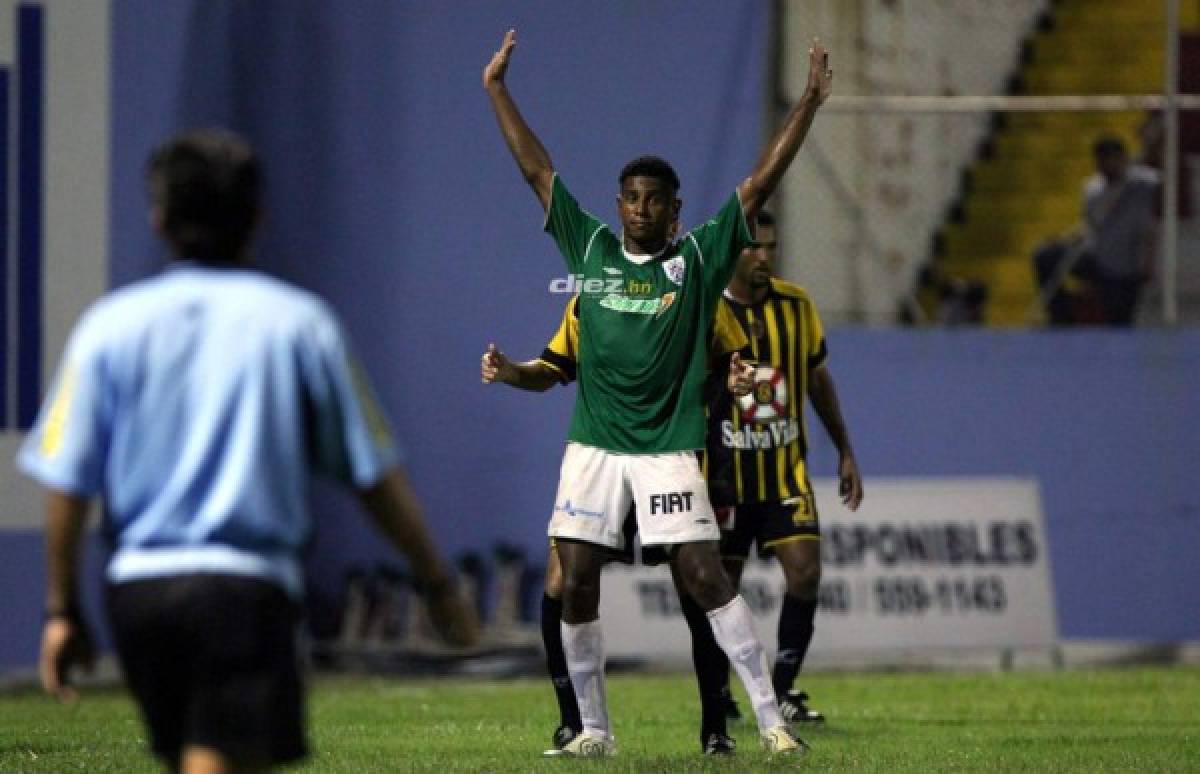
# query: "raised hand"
{"points": [[495, 70], [820, 74], [741, 376], [495, 366]]}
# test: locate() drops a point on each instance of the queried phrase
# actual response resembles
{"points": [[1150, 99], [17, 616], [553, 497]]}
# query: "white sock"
{"points": [[733, 629], [583, 645]]}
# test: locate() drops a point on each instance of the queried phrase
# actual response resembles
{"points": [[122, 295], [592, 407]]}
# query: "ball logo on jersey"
{"points": [[767, 399], [674, 269]]}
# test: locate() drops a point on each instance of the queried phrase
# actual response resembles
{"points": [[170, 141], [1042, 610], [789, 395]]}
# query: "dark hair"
{"points": [[1109, 145], [764, 218], [650, 166], [208, 184]]}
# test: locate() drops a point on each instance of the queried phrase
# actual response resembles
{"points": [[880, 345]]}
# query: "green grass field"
{"points": [[1132, 719]]}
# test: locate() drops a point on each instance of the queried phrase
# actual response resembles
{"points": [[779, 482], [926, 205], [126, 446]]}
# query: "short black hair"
{"points": [[208, 185], [1109, 145], [650, 166]]}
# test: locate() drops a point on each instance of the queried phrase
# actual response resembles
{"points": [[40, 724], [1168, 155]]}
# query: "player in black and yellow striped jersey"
{"points": [[757, 448], [557, 365]]}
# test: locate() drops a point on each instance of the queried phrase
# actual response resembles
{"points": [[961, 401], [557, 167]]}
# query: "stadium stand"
{"points": [[1024, 186]]}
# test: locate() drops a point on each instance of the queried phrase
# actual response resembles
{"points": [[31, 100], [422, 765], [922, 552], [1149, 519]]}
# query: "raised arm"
{"points": [[530, 154], [756, 189], [823, 395]]}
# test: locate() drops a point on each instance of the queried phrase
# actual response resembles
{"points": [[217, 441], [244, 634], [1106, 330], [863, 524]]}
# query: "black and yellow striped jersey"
{"points": [[756, 444], [561, 354]]}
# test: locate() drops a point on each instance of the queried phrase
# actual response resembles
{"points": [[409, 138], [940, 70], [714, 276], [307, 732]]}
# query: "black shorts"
{"points": [[767, 524], [212, 661]]}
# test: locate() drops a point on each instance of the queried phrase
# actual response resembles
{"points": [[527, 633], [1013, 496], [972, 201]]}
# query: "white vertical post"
{"points": [[1170, 225]]}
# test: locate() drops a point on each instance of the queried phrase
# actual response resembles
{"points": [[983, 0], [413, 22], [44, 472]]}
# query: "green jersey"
{"points": [[643, 325]]}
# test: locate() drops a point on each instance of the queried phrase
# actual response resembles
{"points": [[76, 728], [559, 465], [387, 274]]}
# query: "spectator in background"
{"points": [[1116, 250], [945, 300]]}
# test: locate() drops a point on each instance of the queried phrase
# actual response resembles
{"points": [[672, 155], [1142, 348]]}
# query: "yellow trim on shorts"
{"points": [[789, 539]]}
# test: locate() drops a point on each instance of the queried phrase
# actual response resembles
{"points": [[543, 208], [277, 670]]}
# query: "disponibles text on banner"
{"points": [[931, 563]]}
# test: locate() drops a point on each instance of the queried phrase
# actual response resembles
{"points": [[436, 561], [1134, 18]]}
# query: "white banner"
{"points": [[925, 563]]}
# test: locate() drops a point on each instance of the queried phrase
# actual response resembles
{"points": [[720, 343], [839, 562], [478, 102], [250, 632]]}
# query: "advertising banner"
{"points": [[924, 563]]}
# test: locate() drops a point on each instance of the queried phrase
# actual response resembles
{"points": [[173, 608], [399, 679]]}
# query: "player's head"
{"points": [[756, 264], [205, 190], [648, 202], [1112, 157]]}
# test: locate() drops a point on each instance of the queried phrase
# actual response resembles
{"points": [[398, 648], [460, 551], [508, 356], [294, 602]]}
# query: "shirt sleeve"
{"points": [[67, 448], [720, 242], [349, 435], [561, 353], [574, 229], [728, 335]]}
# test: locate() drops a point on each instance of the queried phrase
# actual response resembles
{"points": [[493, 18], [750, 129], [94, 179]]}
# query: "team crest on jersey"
{"points": [[674, 269], [768, 399]]}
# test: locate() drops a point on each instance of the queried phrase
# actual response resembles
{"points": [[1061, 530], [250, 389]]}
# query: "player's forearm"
{"points": [[66, 515], [532, 375], [756, 189], [529, 153], [396, 511], [823, 395]]}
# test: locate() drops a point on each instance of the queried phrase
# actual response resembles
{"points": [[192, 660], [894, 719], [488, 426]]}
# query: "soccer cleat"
{"points": [[793, 705], [780, 740], [719, 744], [562, 736], [590, 744]]}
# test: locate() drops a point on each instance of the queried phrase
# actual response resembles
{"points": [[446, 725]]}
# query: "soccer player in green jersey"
{"points": [[558, 365], [645, 307]]}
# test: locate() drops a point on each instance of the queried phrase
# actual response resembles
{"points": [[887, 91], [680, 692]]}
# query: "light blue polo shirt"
{"points": [[196, 403]]}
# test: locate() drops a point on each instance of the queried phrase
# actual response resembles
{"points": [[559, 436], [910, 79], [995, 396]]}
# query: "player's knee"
{"points": [[579, 588], [708, 585], [803, 581]]}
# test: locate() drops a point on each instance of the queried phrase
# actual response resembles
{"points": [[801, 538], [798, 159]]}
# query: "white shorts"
{"points": [[596, 487]]}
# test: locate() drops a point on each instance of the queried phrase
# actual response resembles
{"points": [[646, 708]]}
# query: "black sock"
{"points": [[712, 669], [795, 634], [556, 662]]}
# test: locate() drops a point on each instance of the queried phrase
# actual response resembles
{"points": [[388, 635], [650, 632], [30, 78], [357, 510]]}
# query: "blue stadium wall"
{"points": [[392, 195]]}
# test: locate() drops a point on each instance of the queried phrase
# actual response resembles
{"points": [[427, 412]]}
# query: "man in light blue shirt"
{"points": [[195, 404]]}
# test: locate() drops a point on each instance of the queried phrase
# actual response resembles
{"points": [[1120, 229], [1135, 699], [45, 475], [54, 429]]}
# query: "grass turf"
{"points": [[1133, 719]]}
